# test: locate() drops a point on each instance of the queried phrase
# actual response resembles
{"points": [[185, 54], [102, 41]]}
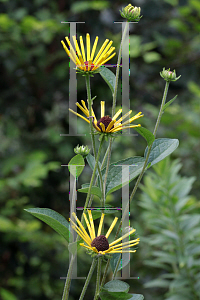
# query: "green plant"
{"points": [[172, 217]]}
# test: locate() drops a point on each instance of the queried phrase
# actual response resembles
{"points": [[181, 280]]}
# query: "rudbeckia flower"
{"points": [[89, 63], [99, 243], [107, 124]]}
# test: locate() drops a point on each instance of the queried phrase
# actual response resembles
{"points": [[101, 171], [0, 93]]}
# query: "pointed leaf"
{"points": [[75, 246], [95, 190], [114, 260], [53, 219], [115, 289], [76, 165], [105, 295], [91, 161], [148, 135], [169, 102], [161, 148], [109, 78], [117, 286], [114, 179]]}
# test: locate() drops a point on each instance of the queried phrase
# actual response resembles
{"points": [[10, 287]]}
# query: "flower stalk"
{"points": [[138, 181], [93, 265]]}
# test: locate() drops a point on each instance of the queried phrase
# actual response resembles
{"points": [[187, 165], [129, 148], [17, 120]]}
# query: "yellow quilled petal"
{"points": [[102, 109], [80, 233], [83, 229], [104, 52], [103, 62], [83, 66], [125, 127], [83, 103], [94, 48], [110, 125], [72, 51], [82, 48], [124, 117], [88, 226], [133, 119], [100, 51], [125, 243], [131, 251], [111, 227], [76, 45], [100, 225], [79, 116], [68, 53], [83, 245], [123, 237], [117, 114], [91, 223], [103, 127], [83, 109], [88, 46], [128, 246]]}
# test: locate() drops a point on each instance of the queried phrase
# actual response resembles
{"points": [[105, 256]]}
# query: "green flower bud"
{"points": [[169, 75], [131, 13], [82, 150]]}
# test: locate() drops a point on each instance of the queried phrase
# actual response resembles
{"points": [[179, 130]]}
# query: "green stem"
{"points": [[117, 70], [68, 280], [107, 169], [94, 172], [140, 176], [87, 78], [116, 268], [102, 165], [114, 102], [93, 265], [69, 274], [98, 278]]}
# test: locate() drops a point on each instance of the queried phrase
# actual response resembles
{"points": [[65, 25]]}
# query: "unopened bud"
{"points": [[169, 75], [131, 13], [82, 150]]}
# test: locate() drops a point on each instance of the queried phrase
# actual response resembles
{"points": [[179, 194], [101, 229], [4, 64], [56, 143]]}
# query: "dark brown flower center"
{"points": [[100, 243], [86, 64], [106, 121]]}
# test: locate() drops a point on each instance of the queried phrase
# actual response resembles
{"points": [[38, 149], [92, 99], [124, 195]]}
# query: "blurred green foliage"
{"points": [[171, 242], [34, 112]]}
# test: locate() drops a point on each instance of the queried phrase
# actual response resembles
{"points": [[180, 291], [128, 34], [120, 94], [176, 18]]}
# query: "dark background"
{"points": [[34, 112]]}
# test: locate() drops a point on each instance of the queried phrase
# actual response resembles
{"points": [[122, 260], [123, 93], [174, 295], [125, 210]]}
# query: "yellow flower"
{"points": [[107, 124], [99, 243], [89, 63]]}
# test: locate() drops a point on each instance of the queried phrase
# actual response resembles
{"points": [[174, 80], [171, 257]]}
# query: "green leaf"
{"points": [[124, 261], [148, 135], [95, 190], [114, 179], [105, 295], [76, 165], [169, 102], [117, 286], [53, 219], [161, 148], [109, 78], [75, 246], [136, 297], [115, 289], [91, 161]]}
